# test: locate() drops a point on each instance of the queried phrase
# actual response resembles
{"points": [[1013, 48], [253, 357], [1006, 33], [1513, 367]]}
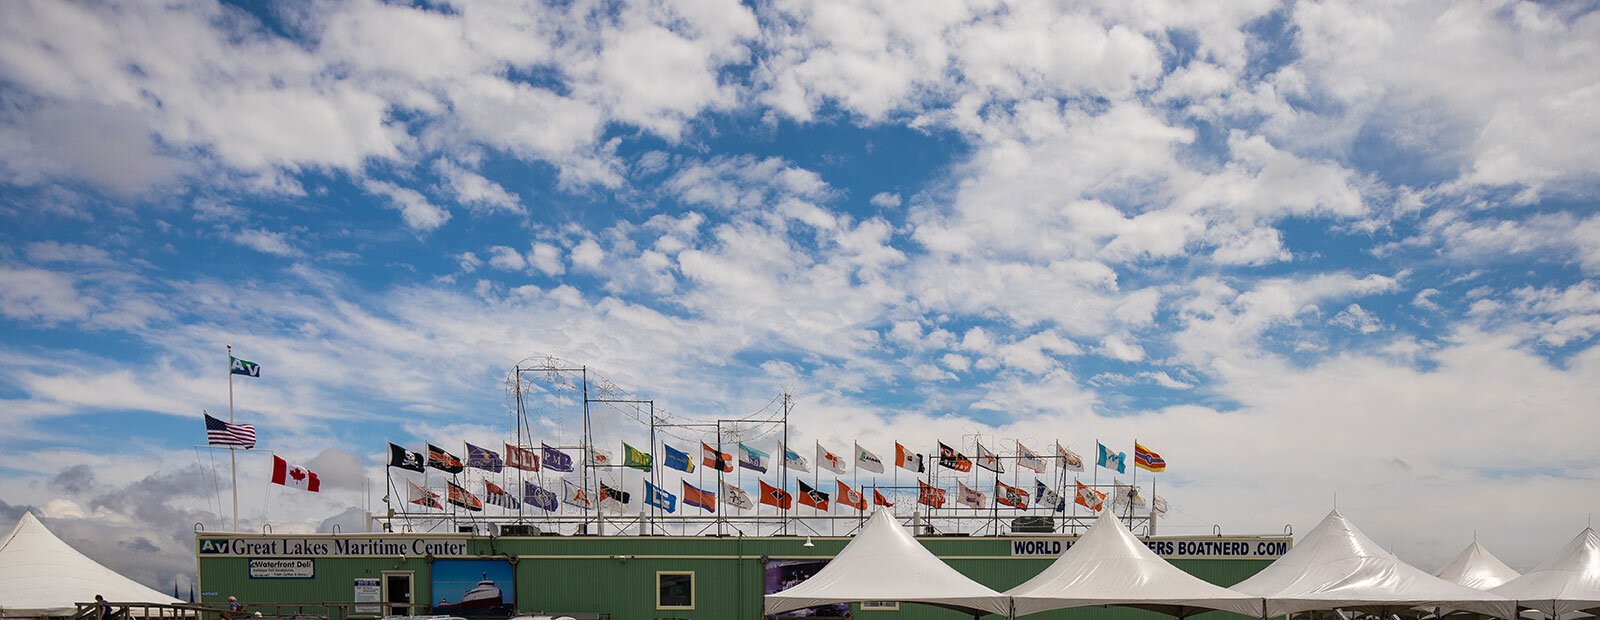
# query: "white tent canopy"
{"points": [[1567, 583], [884, 563], [1109, 566], [1337, 567], [42, 576], [1475, 567]]}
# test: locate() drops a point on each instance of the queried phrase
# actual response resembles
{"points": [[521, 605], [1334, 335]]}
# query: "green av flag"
{"points": [[632, 457], [241, 367]]}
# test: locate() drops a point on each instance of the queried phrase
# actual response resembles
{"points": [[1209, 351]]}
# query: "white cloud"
{"points": [[419, 215], [1119, 347], [546, 258], [885, 200], [39, 295], [1357, 318], [275, 243], [506, 259], [472, 190]]}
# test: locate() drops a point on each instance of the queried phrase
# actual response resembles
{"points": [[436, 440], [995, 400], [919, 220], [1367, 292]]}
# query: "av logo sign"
{"points": [[213, 546]]}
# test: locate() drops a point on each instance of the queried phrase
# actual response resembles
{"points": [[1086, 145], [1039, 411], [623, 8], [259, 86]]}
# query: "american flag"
{"points": [[219, 433]]}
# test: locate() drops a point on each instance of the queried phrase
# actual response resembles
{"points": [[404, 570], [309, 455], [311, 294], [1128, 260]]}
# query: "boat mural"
{"points": [[474, 588]]}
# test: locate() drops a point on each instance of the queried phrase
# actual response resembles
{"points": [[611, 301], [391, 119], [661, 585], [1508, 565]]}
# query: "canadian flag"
{"points": [[294, 476]]}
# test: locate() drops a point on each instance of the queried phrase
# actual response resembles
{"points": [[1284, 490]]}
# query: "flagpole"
{"points": [[233, 451], [1135, 483], [783, 474], [1152, 529]]}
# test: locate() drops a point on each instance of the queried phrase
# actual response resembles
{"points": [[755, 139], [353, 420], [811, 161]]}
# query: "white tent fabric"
{"points": [[1337, 567], [1475, 567], [42, 576], [884, 563], [1109, 566], [1569, 582]]}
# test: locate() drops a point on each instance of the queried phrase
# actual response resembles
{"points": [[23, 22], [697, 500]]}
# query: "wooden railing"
{"points": [[131, 610]]}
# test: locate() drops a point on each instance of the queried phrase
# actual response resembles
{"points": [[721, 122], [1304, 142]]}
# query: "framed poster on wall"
{"points": [[469, 588]]}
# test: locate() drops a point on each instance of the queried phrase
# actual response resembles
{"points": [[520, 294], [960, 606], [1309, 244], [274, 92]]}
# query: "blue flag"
{"points": [[659, 497], [751, 458], [1111, 460], [484, 459], [535, 495], [678, 459], [556, 460]]}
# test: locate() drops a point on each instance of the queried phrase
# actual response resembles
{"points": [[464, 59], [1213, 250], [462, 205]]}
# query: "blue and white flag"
{"points": [[793, 460], [751, 458], [535, 495], [678, 459], [484, 459], [556, 460], [1111, 460], [1044, 496], [577, 496], [659, 497]]}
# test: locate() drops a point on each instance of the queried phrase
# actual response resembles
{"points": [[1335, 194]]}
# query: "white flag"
{"points": [[736, 497], [868, 461], [1159, 505], [829, 461]]}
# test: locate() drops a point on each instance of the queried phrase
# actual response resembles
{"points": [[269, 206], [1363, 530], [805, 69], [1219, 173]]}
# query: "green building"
{"points": [[625, 577]]}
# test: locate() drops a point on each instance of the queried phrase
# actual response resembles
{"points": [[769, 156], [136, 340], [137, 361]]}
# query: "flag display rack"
{"points": [[596, 506]]}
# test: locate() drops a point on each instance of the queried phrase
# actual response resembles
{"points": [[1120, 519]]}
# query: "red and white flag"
{"points": [[829, 461], [294, 476], [850, 497], [1089, 498], [879, 500], [518, 457]]}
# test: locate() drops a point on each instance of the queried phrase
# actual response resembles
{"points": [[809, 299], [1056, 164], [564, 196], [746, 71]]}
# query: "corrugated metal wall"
{"points": [[617, 575]]}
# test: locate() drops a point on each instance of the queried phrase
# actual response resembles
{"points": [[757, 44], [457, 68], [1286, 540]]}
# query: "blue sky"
{"points": [[1301, 249]]}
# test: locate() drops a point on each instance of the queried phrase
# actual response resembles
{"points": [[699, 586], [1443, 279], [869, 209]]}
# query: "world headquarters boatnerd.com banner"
{"points": [[331, 547], [1196, 548]]}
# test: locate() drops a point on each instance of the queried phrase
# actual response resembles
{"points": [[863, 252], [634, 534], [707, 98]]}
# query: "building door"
{"points": [[397, 591]]}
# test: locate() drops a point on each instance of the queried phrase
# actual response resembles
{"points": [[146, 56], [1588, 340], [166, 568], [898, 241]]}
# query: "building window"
{"points": [[674, 590], [880, 606]]}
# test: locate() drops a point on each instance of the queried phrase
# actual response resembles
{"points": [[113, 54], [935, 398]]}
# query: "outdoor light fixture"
{"points": [[808, 542]]}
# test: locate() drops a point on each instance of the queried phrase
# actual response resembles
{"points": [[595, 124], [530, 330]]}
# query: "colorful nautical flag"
{"points": [[1048, 497], [636, 458], [1029, 459], [850, 497], [810, 496], [659, 497], [829, 461], [484, 459], [238, 366], [555, 460], [1124, 495], [1067, 459], [1088, 497], [736, 497], [422, 497], [518, 457], [908, 460], [970, 497], [865, 459], [219, 433], [496, 496], [1007, 495], [793, 460], [753, 459], [694, 496], [950, 459], [539, 497], [711, 457], [576, 495], [294, 476], [678, 459], [989, 460], [930, 496], [879, 500], [601, 458], [406, 459], [613, 499], [1111, 460], [774, 496], [458, 496], [443, 461], [1146, 459]]}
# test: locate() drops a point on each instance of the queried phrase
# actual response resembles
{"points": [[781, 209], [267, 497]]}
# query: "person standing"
{"points": [[103, 608]]}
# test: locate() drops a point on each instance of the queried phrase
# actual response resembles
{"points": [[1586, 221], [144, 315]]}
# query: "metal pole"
{"points": [[719, 474], [655, 513], [233, 453], [783, 474], [583, 454]]}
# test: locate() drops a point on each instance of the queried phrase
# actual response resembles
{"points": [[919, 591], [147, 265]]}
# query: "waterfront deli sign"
{"points": [[282, 569], [331, 547], [1197, 548]]}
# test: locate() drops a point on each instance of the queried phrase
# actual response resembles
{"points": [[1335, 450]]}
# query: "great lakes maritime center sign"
{"points": [[209, 546]]}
